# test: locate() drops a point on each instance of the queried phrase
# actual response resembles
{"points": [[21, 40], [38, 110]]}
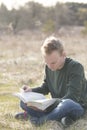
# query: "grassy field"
{"points": [[21, 63]]}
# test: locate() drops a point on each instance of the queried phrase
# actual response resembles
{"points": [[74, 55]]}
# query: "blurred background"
{"points": [[41, 16], [24, 25]]}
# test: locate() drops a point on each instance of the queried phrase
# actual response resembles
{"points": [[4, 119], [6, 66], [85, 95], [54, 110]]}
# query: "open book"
{"points": [[36, 100]]}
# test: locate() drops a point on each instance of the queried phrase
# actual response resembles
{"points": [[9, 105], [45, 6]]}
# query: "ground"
{"points": [[21, 63]]}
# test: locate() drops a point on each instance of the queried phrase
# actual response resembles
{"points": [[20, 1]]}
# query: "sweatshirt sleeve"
{"points": [[75, 82], [42, 89]]}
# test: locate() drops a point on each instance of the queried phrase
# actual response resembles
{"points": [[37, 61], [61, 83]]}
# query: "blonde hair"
{"points": [[52, 44]]}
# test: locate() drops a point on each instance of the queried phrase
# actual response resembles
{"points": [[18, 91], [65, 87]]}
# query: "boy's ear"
{"points": [[64, 53]]}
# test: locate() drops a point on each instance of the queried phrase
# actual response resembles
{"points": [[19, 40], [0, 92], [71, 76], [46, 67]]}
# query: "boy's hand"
{"points": [[26, 88]]}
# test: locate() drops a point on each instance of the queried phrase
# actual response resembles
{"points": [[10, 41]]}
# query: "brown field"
{"points": [[21, 63]]}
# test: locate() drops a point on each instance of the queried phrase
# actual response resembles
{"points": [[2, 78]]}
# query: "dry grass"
{"points": [[21, 63]]}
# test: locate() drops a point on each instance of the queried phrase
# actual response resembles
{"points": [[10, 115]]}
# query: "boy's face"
{"points": [[55, 61]]}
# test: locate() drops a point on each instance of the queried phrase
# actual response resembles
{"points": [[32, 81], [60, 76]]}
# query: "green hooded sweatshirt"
{"points": [[66, 83]]}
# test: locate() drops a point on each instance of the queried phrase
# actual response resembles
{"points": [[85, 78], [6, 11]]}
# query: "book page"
{"points": [[36, 100], [42, 104], [29, 96]]}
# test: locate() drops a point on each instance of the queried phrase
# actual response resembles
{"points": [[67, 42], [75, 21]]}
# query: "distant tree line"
{"points": [[34, 16]]}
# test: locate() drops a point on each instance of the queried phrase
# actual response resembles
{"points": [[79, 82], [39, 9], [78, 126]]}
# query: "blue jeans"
{"points": [[66, 107]]}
